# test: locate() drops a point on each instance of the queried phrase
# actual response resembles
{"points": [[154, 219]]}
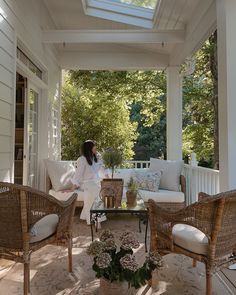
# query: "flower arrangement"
{"points": [[115, 263]]}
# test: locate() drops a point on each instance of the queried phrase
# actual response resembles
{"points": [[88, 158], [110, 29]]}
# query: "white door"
{"points": [[31, 137]]}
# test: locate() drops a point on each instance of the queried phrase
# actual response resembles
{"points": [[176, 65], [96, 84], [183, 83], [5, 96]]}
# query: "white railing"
{"points": [[198, 179], [138, 164]]}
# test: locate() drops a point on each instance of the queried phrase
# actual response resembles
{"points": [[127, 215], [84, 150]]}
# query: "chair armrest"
{"points": [[198, 215], [41, 204], [64, 228], [202, 196]]}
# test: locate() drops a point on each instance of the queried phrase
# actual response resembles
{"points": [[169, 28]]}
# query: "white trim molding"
{"points": [[112, 61], [113, 36]]}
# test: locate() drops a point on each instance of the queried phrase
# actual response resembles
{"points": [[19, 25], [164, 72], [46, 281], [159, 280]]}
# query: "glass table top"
{"points": [[98, 206]]}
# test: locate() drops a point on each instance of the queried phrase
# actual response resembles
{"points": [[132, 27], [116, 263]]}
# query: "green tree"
{"points": [[200, 113], [88, 115], [143, 93]]}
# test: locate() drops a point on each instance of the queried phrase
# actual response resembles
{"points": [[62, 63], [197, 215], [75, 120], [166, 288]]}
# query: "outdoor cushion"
{"points": [[163, 196], [44, 228], [124, 174], [171, 171], [147, 180], [60, 174], [190, 238], [63, 196]]}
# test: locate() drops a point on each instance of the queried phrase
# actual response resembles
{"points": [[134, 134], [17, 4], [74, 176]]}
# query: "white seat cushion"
{"points": [[63, 196], [44, 228], [190, 238], [163, 196]]}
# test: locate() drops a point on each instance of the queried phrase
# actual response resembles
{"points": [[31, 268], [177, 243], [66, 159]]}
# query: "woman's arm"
{"points": [[79, 173], [102, 169]]}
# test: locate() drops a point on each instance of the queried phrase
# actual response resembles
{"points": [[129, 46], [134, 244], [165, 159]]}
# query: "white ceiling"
{"points": [[172, 15], [69, 15]]}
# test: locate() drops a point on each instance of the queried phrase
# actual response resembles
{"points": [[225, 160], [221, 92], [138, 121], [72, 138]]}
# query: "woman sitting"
{"points": [[90, 170]]}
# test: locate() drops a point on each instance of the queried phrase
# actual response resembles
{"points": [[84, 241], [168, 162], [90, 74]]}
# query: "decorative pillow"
{"points": [[147, 180], [60, 174], [171, 171]]}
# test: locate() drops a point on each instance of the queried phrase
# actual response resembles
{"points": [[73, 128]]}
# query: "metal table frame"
{"points": [[97, 212]]}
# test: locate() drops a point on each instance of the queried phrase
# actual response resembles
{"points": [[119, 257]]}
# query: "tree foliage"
{"points": [[199, 113], [97, 105], [128, 110], [88, 114]]}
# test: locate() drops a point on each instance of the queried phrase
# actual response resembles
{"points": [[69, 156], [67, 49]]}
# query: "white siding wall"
{"points": [[25, 19], [7, 81]]}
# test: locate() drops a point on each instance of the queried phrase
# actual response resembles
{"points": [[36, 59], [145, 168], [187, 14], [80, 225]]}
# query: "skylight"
{"points": [[134, 12], [151, 4]]}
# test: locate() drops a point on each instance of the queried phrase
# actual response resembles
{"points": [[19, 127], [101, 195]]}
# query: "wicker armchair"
{"points": [[204, 231], [21, 208]]}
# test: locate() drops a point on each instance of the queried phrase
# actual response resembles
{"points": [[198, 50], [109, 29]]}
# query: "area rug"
{"points": [[49, 275]]}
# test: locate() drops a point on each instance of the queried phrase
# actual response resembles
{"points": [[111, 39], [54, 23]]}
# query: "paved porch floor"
{"points": [[49, 274]]}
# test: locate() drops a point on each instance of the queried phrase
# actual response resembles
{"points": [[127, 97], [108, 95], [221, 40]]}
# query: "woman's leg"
{"points": [[91, 192]]}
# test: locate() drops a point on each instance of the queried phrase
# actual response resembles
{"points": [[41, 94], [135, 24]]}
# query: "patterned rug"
{"points": [[49, 275]]}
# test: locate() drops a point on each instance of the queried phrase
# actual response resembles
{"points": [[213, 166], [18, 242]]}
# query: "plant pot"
{"points": [[116, 184], [114, 288], [131, 199]]}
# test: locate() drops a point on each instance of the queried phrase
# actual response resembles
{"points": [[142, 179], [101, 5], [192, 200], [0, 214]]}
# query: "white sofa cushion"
{"points": [[171, 171], [44, 228], [63, 196], [190, 238], [163, 196], [147, 180], [125, 174], [60, 174]]}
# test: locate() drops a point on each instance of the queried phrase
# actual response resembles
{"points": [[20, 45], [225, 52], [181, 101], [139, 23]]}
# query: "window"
{"points": [[33, 68], [134, 12], [151, 4]]}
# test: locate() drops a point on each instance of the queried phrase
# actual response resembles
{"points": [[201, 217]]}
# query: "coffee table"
{"points": [[140, 210]]}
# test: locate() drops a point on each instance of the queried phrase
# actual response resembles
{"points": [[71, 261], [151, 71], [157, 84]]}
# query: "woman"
{"points": [[87, 177]]}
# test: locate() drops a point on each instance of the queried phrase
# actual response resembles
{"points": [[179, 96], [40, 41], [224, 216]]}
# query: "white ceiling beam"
{"points": [[112, 61], [113, 36]]}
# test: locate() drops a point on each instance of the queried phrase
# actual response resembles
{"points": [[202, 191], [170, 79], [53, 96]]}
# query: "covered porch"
{"points": [[39, 39]]}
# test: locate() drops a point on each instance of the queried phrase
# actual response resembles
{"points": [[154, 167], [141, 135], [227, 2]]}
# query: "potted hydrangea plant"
{"points": [[117, 267]]}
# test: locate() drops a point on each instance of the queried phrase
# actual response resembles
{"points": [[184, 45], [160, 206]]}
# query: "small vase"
{"points": [[131, 199], [114, 288]]}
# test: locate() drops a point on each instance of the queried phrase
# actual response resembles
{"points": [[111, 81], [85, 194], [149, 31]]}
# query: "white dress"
{"points": [[88, 178]]}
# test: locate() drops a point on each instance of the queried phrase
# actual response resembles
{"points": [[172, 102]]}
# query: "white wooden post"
{"points": [[174, 114], [226, 23]]}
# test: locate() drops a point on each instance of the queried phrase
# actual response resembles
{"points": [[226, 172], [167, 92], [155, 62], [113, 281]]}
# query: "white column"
{"points": [[174, 114], [226, 24]]}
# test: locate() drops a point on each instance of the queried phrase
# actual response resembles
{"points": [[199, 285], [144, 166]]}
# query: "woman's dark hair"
{"points": [[86, 151]]}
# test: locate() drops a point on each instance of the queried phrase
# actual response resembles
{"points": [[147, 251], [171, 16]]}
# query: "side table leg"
{"points": [[146, 230], [139, 223], [91, 225]]}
